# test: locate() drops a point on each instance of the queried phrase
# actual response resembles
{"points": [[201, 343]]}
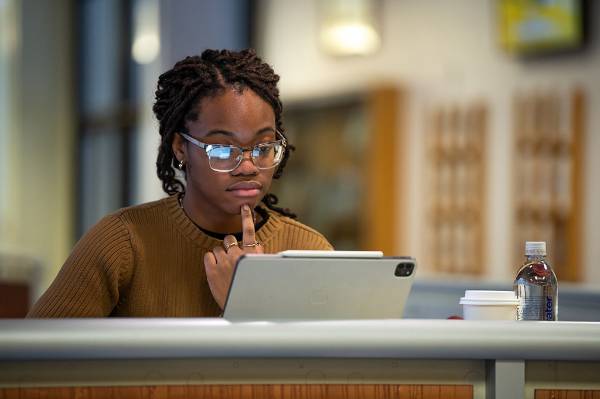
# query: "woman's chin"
{"points": [[235, 207]]}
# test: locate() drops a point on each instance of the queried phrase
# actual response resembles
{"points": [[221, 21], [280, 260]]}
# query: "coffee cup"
{"points": [[489, 305]]}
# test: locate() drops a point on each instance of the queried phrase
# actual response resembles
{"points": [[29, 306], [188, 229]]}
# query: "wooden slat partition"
{"points": [[456, 199], [549, 176], [267, 391]]}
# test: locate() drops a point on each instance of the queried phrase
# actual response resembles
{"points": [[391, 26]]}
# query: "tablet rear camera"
{"points": [[404, 269]]}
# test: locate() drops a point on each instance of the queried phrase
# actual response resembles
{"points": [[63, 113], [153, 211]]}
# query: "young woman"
{"points": [[221, 126]]}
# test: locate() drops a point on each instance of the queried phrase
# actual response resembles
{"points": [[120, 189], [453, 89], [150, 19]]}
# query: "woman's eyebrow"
{"points": [[228, 133], [217, 132], [265, 130]]}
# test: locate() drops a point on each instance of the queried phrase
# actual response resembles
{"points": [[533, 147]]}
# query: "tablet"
{"points": [[319, 285]]}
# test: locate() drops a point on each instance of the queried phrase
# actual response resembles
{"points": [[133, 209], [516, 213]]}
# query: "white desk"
{"points": [[499, 359]]}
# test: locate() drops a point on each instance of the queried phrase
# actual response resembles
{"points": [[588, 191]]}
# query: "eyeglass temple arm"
{"points": [[194, 141], [203, 145]]}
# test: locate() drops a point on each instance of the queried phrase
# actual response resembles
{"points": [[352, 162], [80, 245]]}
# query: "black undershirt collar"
{"points": [[239, 235]]}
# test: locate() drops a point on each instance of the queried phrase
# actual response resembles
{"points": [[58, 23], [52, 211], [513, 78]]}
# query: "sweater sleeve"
{"points": [[319, 242], [296, 235], [88, 283]]}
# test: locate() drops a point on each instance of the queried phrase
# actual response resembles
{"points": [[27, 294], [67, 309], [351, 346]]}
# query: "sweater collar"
{"points": [[203, 240]]}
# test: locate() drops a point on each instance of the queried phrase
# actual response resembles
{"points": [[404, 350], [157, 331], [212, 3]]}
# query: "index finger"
{"points": [[248, 234]]}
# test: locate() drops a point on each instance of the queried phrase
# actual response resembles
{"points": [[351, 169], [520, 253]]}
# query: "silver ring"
{"points": [[254, 244]]}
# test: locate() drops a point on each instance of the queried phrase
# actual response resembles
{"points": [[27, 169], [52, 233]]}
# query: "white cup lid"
{"points": [[481, 297]]}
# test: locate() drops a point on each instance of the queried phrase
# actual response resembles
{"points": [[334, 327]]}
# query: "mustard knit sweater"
{"points": [[147, 261]]}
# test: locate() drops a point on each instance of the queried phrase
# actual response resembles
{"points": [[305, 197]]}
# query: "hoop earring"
{"points": [[181, 164]]}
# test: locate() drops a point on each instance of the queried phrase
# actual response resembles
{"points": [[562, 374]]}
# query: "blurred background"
{"points": [[448, 131]]}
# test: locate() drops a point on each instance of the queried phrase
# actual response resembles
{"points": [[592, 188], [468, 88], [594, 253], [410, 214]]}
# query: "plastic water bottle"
{"points": [[536, 285]]}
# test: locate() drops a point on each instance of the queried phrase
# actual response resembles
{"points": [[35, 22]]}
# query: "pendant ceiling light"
{"points": [[349, 27], [146, 37]]}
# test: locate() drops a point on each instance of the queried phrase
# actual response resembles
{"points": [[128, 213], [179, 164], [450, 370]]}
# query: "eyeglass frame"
{"points": [[207, 147]]}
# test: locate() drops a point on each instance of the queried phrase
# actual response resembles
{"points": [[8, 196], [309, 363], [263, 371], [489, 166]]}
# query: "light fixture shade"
{"points": [[146, 37], [349, 27]]}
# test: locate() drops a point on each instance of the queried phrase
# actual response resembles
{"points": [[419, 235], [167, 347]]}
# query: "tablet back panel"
{"points": [[272, 287]]}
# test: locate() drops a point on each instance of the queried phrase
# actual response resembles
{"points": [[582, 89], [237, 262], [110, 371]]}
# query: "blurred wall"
{"points": [[435, 49], [37, 216], [38, 131], [438, 50], [187, 27]]}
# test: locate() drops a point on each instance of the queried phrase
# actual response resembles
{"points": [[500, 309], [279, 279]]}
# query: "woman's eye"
{"points": [[264, 150]]}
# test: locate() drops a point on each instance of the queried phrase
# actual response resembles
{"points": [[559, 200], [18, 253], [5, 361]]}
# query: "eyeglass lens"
{"points": [[227, 158]]}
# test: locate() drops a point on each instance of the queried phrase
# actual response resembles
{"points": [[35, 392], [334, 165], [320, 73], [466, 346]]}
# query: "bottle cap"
{"points": [[535, 248]]}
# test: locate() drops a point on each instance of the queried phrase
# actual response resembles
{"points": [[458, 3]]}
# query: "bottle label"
{"points": [[536, 308], [549, 308]]}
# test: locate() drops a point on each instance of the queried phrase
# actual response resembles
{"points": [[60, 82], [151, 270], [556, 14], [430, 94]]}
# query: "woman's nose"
{"points": [[247, 166]]}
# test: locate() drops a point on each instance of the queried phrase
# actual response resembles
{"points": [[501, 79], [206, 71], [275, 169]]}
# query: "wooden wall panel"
{"points": [[387, 137], [566, 394], [270, 391], [352, 151], [14, 300]]}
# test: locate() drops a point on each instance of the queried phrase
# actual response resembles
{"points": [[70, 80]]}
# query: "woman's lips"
{"points": [[244, 193], [245, 189]]}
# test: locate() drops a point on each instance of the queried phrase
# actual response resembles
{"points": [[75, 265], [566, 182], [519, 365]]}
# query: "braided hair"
{"points": [[192, 79]]}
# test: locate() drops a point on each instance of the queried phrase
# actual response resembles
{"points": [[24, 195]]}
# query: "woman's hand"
{"points": [[220, 263]]}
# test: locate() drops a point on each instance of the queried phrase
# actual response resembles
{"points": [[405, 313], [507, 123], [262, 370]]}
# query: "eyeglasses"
{"points": [[225, 158]]}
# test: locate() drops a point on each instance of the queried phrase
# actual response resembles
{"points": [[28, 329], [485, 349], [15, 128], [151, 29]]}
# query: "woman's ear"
{"points": [[178, 147]]}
